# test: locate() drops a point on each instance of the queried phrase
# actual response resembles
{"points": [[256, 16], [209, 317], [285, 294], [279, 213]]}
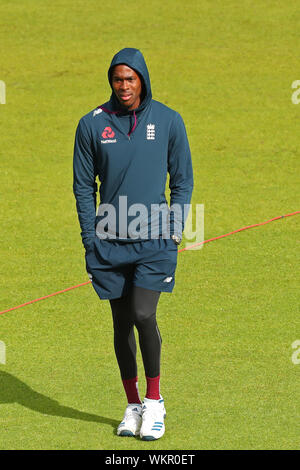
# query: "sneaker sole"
{"points": [[126, 434]]}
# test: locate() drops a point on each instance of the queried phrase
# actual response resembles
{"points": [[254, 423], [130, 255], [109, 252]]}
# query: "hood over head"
{"points": [[134, 59]]}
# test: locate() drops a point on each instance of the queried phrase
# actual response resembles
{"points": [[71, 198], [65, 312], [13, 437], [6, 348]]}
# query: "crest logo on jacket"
{"points": [[150, 131], [108, 136]]}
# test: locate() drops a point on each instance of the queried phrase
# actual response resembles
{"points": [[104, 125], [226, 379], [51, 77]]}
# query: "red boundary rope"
{"points": [[183, 249]]}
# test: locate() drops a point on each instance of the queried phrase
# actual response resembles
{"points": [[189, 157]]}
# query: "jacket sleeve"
{"points": [[181, 175], [84, 184]]}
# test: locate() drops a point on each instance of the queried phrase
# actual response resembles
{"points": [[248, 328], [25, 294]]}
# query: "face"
{"points": [[127, 86]]}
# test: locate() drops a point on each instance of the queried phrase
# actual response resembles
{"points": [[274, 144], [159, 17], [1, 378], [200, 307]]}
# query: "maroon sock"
{"points": [[153, 388], [131, 390]]}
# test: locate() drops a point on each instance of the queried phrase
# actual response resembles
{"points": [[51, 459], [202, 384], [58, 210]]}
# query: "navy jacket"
{"points": [[131, 152]]}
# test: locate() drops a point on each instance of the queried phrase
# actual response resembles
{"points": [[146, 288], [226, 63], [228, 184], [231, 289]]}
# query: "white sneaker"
{"points": [[153, 415], [132, 420]]}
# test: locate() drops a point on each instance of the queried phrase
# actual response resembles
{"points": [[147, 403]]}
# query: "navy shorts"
{"points": [[115, 266]]}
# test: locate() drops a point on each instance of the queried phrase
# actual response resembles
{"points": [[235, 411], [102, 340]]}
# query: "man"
{"points": [[130, 143]]}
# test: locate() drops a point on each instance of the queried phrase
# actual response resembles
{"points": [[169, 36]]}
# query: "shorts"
{"points": [[115, 266]]}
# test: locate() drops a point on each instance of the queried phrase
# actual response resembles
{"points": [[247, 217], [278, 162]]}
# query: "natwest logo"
{"points": [[108, 133]]}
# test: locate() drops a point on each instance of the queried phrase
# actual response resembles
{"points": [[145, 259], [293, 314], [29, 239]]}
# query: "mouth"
{"points": [[125, 97]]}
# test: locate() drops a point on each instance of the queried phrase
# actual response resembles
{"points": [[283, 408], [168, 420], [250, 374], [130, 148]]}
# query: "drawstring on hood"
{"points": [[134, 124], [134, 59]]}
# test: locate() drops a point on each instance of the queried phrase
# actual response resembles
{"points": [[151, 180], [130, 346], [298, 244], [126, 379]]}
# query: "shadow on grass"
{"points": [[13, 390]]}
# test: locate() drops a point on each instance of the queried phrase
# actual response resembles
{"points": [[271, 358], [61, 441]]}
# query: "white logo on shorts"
{"points": [[168, 279]]}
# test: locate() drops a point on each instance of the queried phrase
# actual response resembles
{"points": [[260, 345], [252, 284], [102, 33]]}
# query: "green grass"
{"points": [[227, 375]]}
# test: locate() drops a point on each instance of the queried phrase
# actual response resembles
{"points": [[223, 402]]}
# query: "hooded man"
{"points": [[130, 143]]}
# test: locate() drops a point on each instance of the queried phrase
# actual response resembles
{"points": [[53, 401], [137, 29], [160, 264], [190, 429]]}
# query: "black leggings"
{"points": [[137, 308]]}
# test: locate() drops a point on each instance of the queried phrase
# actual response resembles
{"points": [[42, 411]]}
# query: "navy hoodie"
{"points": [[131, 152]]}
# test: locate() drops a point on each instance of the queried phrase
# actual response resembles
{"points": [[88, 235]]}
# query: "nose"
{"points": [[124, 85]]}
